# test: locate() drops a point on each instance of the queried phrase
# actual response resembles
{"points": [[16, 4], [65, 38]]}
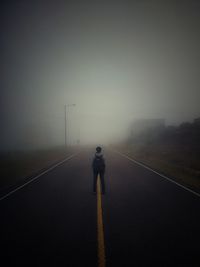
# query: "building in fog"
{"points": [[147, 126], [197, 121]]}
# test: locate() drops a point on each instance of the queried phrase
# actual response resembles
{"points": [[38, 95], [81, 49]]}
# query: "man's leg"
{"points": [[95, 174], [102, 182]]}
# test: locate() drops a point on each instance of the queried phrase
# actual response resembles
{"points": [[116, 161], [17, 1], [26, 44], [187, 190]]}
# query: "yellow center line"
{"points": [[100, 231]]}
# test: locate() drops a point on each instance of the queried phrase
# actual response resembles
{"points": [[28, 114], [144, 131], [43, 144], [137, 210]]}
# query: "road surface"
{"points": [[147, 220]]}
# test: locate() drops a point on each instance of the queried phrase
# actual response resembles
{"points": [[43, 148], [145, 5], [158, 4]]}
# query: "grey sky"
{"points": [[117, 60]]}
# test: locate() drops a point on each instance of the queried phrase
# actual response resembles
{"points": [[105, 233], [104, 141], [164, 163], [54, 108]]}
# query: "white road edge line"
{"points": [[36, 177], [162, 175]]}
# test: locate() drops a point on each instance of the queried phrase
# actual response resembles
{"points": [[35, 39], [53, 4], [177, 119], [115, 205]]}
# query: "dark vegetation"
{"points": [[173, 150]]}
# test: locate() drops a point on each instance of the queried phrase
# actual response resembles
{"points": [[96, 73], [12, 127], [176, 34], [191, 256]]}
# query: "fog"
{"points": [[118, 61]]}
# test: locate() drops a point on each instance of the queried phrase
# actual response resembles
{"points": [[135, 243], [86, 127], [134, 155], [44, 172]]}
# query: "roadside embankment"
{"points": [[17, 167], [178, 163]]}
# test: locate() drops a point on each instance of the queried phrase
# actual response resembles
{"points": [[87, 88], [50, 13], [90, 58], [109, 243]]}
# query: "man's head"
{"points": [[98, 149]]}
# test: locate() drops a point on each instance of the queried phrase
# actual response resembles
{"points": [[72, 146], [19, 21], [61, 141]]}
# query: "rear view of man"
{"points": [[98, 166]]}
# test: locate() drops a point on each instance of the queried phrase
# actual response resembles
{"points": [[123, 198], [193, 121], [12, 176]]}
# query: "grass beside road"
{"points": [[178, 163], [18, 166]]}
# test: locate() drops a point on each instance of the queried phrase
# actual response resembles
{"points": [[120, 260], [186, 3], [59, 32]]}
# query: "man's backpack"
{"points": [[98, 164]]}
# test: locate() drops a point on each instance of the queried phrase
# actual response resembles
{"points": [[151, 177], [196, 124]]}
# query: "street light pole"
{"points": [[68, 105], [65, 126]]}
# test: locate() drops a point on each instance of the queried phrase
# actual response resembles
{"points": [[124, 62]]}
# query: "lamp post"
{"points": [[67, 106]]}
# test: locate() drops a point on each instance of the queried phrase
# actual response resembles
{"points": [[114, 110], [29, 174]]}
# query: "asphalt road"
{"points": [[148, 221]]}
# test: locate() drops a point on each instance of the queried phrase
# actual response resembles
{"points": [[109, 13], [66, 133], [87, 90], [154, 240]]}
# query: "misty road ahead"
{"points": [[148, 221]]}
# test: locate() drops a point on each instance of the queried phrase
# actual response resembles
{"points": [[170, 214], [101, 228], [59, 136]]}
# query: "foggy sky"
{"points": [[116, 60]]}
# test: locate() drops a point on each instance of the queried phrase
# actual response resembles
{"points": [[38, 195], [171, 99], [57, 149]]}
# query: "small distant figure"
{"points": [[98, 166]]}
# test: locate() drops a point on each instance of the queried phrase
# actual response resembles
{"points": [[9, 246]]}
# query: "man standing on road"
{"points": [[98, 166]]}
